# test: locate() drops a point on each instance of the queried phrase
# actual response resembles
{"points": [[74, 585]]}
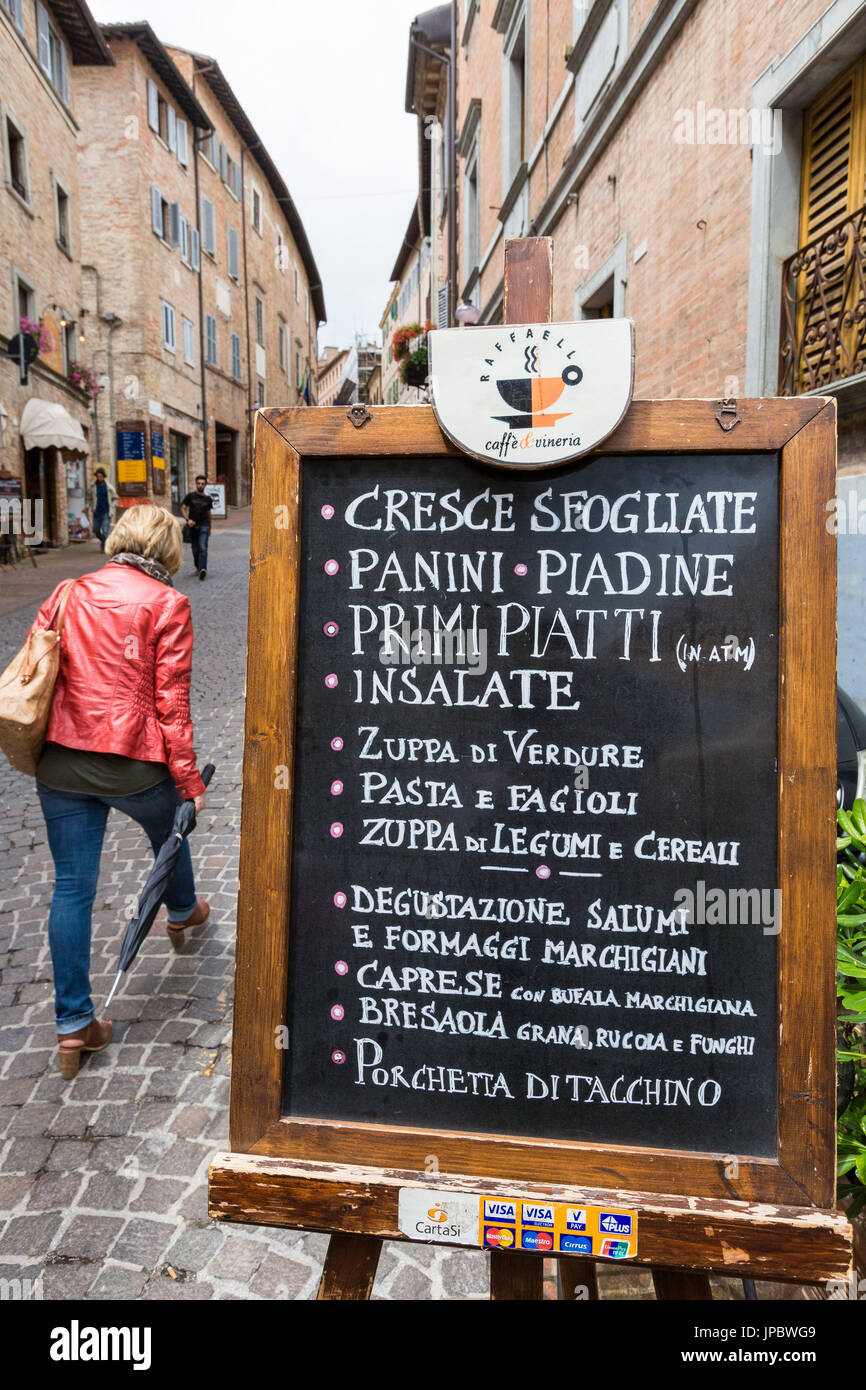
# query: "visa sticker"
{"points": [[534, 1215], [500, 1211]]}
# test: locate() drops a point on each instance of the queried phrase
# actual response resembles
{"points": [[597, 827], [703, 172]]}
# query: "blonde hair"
{"points": [[149, 531]]}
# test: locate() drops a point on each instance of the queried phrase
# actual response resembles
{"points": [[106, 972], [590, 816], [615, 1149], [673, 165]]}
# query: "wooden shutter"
{"points": [[44, 38], [833, 187], [156, 210], [152, 106], [194, 248], [174, 224], [171, 129], [834, 155], [183, 142]]}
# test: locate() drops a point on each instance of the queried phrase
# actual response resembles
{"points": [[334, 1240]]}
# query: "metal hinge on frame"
{"points": [[726, 414], [359, 415]]}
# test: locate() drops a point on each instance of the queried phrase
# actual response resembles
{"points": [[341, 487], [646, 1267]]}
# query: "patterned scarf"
{"points": [[147, 566]]}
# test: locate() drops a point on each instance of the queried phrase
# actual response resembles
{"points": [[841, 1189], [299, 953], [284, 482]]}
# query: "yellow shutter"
{"points": [[833, 187]]}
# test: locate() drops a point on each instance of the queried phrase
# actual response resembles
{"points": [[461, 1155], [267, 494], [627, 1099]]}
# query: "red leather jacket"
{"points": [[125, 662]]}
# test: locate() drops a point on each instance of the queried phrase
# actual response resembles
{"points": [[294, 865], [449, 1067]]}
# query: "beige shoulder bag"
{"points": [[27, 689]]}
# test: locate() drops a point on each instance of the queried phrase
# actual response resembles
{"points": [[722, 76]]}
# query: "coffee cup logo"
{"points": [[532, 395]]}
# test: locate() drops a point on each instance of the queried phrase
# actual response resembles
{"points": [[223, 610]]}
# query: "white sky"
{"points": [[323, 82]]}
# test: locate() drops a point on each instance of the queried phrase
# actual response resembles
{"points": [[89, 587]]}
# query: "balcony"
{"points": [[823, 323]]}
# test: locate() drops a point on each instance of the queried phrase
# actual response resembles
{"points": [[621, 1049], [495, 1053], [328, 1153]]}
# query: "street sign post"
{"points": [[510, 730]]}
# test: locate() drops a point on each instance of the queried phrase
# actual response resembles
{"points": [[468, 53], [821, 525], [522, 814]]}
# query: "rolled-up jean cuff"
{"points": [[182, 914], [72, 1025]]}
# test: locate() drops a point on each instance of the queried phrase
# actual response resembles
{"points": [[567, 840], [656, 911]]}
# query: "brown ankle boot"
{"points": [[93, 1038], [176, 931]]}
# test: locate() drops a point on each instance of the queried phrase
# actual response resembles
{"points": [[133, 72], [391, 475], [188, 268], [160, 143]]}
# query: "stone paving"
{"points": [[103, 1179]]}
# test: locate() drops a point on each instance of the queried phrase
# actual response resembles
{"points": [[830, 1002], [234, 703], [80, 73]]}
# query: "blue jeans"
{"points": [[200, 538], [101, 527], [76, 827]]}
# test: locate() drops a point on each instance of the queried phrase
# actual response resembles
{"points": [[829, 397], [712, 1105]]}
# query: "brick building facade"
{"points": [[43, 49], [203, 284]]}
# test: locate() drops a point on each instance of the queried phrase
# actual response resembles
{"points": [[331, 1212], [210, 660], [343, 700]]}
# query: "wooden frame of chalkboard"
{"points": [[776, 1217]]}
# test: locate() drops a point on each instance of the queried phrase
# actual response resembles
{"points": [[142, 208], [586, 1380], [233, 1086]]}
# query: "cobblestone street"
{"points": [[103, 1179]]}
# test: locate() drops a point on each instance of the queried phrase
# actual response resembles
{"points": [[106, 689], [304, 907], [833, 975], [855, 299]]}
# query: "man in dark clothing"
{"points": [[102, 506], [196, 508]]}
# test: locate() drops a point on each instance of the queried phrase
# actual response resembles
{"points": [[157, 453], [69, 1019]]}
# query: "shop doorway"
{"points": [[227, 461], [178, 452], [39, 485]]}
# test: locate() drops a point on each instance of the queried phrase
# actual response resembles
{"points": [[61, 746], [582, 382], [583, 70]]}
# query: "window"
{"points": [[297, 285], [298, 382], [210, 347], [182, 143], [69, 343], [236, 357], [26, 296], [257, 210], [194, 248], [52, 52], [208, 227], [168, 327], [472, 213], [61, 207], [16, 150], [189, 342], [232, 251], [281, 344], [165, 218], [282, 253], [13, 7], [260, 322], [230, 172], [260, 393], [514, 122], [184, 240]]}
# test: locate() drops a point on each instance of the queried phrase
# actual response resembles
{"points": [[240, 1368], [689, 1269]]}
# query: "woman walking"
{"points": [[119, 735]]}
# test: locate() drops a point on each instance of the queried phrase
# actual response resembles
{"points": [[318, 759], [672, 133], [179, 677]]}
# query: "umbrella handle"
{"points": [[207, 773]]}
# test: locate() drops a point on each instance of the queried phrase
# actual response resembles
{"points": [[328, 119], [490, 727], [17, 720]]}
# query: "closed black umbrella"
{"points": [[154, 890]]}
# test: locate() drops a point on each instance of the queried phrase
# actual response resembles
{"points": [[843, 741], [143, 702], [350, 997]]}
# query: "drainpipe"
{"points": [[201, 333], [113, 321]]}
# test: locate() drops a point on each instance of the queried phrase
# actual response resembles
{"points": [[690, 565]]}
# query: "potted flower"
{"points": [[84, 377], [409, 346], [32, 328], [413, 368]]}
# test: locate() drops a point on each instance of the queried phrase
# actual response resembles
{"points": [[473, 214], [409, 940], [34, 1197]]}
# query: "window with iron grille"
{"points": [[823, 335]]}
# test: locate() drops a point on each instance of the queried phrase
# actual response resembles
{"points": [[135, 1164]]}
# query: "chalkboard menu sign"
{"points": [[534, 848], [537, 854]]}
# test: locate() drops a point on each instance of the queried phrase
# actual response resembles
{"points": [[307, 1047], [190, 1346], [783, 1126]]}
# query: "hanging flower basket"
{"points": [[413, 369], [84, 377], [32, 328]]}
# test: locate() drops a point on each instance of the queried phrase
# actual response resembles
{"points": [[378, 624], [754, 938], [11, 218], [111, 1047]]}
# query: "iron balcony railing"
{"points": [[823, 322]]}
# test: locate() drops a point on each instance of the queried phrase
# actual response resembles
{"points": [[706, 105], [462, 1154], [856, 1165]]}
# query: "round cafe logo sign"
{"points": [[534, 394]]}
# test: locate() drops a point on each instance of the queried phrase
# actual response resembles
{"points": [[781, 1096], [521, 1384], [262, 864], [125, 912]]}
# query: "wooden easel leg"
{"points": [[680, 1284], [577, 1274], [350, 1268], [516, 1276]]}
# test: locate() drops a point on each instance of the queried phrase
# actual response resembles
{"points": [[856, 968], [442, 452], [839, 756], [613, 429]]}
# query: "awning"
{"points": [[47, 425]]}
